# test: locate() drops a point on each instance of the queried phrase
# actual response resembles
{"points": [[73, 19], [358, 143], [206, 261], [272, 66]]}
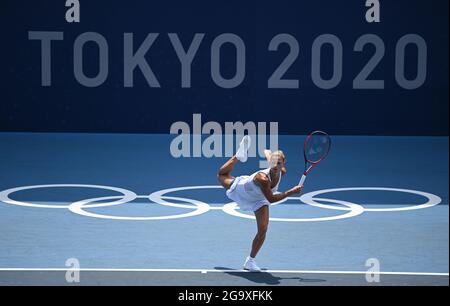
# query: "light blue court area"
{"points": [[383, 198]]}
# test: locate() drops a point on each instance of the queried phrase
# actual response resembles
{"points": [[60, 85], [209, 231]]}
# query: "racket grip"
{"points": [[302, 180]]}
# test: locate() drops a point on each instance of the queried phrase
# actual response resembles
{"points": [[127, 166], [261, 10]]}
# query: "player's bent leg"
{"points": [[225, 180], [228, 166], [224, 175]]}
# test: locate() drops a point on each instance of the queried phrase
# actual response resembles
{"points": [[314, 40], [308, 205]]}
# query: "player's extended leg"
{"points": [[262, 221]]}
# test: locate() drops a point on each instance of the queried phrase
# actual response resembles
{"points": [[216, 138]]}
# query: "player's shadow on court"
{"points": [[266, 277]]}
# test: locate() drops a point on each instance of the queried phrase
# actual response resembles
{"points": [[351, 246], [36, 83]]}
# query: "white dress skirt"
{"points": [[247, 194]]}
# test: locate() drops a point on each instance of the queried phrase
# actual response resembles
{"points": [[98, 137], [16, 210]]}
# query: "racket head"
{"points": [[316, 147]]}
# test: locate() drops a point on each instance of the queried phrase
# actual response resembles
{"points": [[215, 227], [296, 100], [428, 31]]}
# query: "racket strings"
{"points": [[317, 146]]}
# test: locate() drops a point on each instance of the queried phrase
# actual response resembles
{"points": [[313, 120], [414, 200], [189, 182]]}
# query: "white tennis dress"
{"points": [[247, 194]]}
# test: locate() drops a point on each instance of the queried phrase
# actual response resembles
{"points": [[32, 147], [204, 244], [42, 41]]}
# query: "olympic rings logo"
{"points": [[198, 207]]}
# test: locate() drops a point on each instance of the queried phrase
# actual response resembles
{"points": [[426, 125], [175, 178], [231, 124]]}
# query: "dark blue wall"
{"points": [[68, 106]]}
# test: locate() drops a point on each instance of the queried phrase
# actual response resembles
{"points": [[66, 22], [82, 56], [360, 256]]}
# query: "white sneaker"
{"points": [[241, 153], [251, 265]]}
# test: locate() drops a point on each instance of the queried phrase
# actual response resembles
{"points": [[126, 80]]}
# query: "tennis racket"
{"points": [[315, 149]]}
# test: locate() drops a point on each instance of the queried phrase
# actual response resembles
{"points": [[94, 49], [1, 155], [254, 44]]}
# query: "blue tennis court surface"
{"points": [[382, 198]]}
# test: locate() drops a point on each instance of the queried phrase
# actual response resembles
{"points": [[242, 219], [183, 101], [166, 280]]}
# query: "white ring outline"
{"points": [[4, 195], [355, 210], [202, 207], [158, 196], [432, 199], [78, 208]]}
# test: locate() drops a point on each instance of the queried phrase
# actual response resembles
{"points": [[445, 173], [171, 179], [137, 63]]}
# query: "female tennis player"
{"points": [[255, 192]]}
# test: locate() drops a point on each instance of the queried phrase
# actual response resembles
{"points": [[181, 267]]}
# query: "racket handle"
{"points": [[302, 180]]}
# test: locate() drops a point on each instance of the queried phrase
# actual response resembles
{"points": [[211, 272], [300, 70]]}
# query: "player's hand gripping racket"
{"points": [[315, 149]]}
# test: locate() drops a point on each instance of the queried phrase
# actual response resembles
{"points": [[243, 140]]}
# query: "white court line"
{"points": [[220, 271]]}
